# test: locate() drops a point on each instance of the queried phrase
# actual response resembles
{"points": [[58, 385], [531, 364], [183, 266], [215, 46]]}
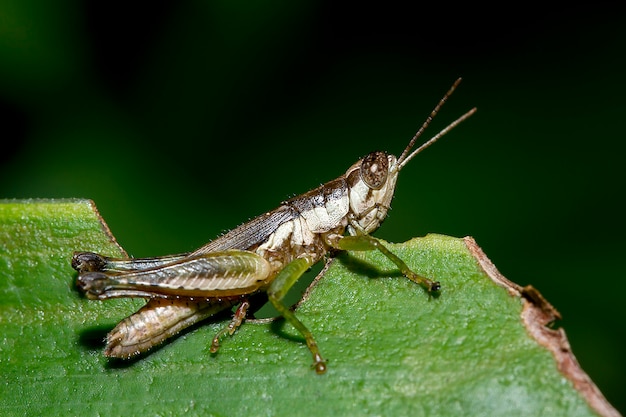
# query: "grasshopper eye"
{"points": [[374, 170]]}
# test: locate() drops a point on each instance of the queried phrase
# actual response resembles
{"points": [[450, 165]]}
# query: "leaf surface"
{"points": [[391, 349]]}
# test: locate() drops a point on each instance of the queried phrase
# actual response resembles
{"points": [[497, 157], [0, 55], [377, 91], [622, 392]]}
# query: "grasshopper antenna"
{"points": [[406, 157], [403, 162]]}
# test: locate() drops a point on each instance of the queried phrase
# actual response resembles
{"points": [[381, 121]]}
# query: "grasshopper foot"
{"points": [[319, 365], [434, 286]]}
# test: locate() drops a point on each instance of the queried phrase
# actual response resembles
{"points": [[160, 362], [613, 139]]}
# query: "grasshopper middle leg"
{"points": [[278, 289]]}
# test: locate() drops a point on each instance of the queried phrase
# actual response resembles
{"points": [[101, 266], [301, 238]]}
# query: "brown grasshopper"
{"points": [[265, 255]]}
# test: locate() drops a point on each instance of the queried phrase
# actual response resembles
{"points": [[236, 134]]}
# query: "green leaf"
{"points": [[479, 348]]}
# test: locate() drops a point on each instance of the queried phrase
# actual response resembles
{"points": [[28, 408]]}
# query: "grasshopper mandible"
{"points": [[266, 255]]}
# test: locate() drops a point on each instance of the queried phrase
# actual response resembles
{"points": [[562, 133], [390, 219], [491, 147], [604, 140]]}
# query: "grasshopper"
{"points": [[266, 255]]}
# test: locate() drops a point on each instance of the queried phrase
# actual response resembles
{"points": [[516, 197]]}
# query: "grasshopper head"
{"points": [[371, 184], [372, 180]]}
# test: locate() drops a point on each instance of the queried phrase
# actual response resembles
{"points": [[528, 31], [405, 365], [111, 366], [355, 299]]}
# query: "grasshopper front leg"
{"points": [[366, 242], [278, 289]]}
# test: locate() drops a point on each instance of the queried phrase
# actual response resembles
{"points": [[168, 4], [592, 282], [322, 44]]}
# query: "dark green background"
{"points": [[183, 120]]}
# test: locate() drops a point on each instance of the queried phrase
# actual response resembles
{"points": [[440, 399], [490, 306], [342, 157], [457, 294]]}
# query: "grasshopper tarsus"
{"points": [[266, 255], [319, 365], [431, 287], [215, 344]]}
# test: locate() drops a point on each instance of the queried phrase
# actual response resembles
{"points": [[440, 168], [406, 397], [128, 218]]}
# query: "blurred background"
{"points": [[182, 120]]}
